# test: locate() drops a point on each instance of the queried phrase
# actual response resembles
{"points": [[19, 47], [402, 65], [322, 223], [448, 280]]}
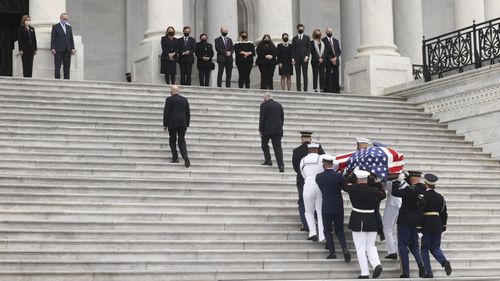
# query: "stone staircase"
{"points": [[88, 191]]}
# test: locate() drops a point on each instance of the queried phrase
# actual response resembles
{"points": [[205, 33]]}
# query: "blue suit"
{"points": [[331, 183]]}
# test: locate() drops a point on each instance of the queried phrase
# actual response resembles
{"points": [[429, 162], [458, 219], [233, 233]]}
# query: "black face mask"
{"points": [[171, 33], [317, 36], [203, 39], [186, 34], [329, 34], [301, 31], [244, 37], [285, 39], [224, 34]]}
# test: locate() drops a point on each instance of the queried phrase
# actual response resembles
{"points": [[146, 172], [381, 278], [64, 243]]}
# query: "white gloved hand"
{"points": [[401, 177]]}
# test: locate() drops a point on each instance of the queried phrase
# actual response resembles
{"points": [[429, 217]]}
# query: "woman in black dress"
{"points": [[245, 51], [169, 55], [284, 56], [266, 60], [26, 39], [204, 53], [317, 60]]}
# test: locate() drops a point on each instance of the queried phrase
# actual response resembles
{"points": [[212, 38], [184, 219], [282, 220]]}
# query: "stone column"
{"points": [[377, 65], [408, 29], [491, 9], [44, 14], [222, 13], [467, 11], [275, 18], [350, 30], [161, 14]]}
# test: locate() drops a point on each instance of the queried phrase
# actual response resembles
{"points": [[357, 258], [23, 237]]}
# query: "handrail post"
{"points": [[477, 55], [426, 72]]}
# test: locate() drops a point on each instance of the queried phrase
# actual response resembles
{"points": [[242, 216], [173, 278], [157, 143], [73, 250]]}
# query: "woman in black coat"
{"points": [[245, 51], [169, 55], [284, 55], [266, 60], [318, 60], [204, 53], [26, 39]]}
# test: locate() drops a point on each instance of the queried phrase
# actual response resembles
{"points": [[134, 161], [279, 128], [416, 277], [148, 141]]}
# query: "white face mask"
{"points": [[27, 23]]}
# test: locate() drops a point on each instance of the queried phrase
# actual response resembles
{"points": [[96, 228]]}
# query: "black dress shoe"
{"points": [[332, 257], [267, 163], [187, 163], [282, 170], [447, 267], [404, 275], [363, 277], [421, 271], [392, 256], [377, 271], [347, 255], [174, 161], [313, 238]]}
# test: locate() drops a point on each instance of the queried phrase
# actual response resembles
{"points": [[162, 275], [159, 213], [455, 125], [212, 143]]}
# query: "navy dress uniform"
{"points": [[331, 184], [433, 222], [363, 222], [408, 221]]}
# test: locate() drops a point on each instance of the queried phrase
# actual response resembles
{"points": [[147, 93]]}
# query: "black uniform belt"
{"points": [[431, 214]]}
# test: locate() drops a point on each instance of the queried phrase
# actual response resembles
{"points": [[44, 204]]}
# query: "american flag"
{"points": [[380, 161]]}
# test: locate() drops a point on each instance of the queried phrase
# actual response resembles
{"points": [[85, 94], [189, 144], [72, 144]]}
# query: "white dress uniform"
{"points": [[391, 212], [310, 166]]}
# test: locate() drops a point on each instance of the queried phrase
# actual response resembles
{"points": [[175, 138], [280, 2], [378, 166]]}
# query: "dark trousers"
{"points": [[228, 67], [332, 79], [318, 71], [179, 133], [170, 79], [338, 227], [204, 74], [244, 70], [408, 239], [300, 203], [431, 242], [266, 76], [278, 151], [27, 59], [64, 59], [301, 67], [186, 70]]}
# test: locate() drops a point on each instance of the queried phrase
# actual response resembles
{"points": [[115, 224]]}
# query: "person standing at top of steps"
{"points": [[331, 183], [271, 120], [225, 49], [409, 189], [176, 117], [310, 166], [299, 153], [363, 222], [432, 223], [62, 46]]}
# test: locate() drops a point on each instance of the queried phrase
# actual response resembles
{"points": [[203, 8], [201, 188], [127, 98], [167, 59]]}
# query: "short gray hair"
{"points": [[63, 14], [268, 95]]}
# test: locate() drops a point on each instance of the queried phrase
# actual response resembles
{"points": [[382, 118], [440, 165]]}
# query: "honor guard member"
{"points": [[433, 223], [299, 153], [362, 143], [409, 190], [391, 212], [310, 166], [363, 223], [331, 184]]}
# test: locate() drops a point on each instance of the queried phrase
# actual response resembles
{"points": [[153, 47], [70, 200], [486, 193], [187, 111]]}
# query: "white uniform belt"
{"points": [[363, 211]]}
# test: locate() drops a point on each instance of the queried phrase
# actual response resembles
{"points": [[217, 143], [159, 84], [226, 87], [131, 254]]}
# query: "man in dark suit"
{"points": [[62, 46], [300, 152], [332, 55], [331, 184], [176, 117], [187, 46], [301, 50], [271, 123], [224, 47]]}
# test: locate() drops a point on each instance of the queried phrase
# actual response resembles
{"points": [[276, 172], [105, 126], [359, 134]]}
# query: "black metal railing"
{"points": [[469, 47], [417, 71]]}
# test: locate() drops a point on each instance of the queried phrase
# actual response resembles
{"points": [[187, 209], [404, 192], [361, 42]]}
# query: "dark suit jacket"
{"points": [[23, 39], [61, 41], [222, 49], [176, 113], [204, 49], [329, 52], [298, 153], [331, 184], [190, 46], [301, 48], [271, 118]]}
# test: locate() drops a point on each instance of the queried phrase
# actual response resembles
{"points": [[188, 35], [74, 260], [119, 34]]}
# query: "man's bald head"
{"points": [[174, 90], [224, 29]]}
